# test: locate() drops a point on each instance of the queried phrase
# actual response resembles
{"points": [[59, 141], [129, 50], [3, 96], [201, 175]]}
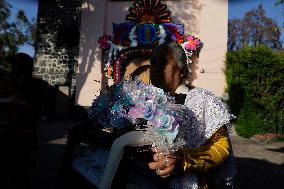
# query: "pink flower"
{"points": [[192, 43], [136, 112], [143, 110], [103, 41]]}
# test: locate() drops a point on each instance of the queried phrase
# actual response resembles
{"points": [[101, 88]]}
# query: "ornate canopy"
{"points": [[147, 25]]}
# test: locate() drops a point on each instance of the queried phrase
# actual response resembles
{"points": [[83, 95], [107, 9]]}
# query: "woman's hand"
{"points": [[163, 164]]}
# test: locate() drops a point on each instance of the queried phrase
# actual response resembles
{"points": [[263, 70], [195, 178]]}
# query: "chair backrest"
{"points": [[133, 138]]}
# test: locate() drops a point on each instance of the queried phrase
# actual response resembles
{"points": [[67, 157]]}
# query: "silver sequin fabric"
{"points": [[207, 113]]}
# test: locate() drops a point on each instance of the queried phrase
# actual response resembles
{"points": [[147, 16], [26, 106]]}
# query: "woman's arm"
{"points": [[211, 154]]}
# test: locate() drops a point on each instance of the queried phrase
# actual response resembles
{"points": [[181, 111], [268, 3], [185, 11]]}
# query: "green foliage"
{"points": [[255, 85], [278, 139], [249, 123], [14, 33]]}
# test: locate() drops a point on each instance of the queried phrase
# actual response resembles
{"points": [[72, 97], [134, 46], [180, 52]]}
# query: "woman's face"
{"points": [[172, 76]]}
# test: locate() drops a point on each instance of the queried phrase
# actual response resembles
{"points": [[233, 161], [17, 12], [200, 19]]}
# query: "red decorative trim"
{"points": [[149, 11], [126, 55], [114, 72]]}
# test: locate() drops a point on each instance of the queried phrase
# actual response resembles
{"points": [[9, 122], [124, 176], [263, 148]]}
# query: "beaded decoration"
{"points": [[148, 24]]}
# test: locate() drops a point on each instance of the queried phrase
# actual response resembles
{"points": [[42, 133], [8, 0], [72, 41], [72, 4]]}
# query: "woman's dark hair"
{"points": [[162, 54]]}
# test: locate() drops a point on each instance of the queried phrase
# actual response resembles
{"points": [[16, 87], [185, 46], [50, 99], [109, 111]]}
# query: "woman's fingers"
{"points": [[166, 176], [162, 164], [165, 172], [163, 160], [156, 157], [156, 165], [155, 149]]}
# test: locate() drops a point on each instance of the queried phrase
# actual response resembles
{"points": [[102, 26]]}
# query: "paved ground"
{"points": [[260, 164], [52, 142]]}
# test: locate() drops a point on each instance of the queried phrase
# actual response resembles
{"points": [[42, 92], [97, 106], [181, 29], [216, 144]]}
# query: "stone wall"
{"points": [[58, 42]]}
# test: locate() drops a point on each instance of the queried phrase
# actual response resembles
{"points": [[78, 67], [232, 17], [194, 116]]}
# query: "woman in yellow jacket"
{"points": [[206, 140]]}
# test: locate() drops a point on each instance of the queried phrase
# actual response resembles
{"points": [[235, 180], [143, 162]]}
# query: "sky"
{"points": [[30, 8], [237, 9]]}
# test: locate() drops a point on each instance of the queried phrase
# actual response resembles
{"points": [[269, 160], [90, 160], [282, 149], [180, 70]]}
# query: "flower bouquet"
{"points": [[139, 103]]}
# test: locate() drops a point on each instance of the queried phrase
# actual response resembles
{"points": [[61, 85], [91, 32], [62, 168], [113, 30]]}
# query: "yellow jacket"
{"points": [[215, 151]]}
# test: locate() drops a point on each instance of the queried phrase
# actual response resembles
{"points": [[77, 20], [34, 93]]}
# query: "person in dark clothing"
{"points": [[19, 114]]}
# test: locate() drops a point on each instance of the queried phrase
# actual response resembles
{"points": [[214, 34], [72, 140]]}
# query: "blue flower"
{"points": [[162, 120]]}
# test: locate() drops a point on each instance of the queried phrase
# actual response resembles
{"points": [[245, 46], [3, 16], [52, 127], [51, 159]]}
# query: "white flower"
{"points": [[133, 37]]}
